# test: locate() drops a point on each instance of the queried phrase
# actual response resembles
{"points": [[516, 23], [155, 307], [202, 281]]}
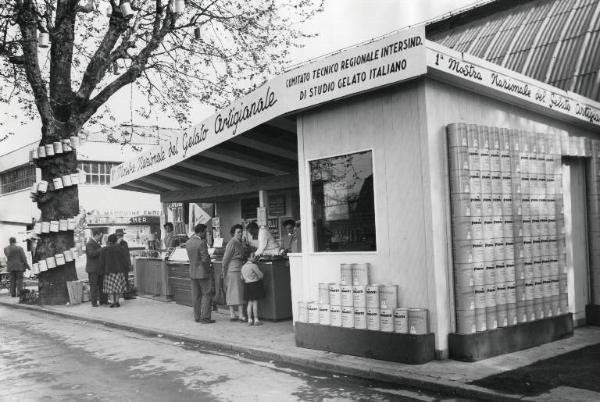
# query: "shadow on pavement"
{"points": [[577, 369]]}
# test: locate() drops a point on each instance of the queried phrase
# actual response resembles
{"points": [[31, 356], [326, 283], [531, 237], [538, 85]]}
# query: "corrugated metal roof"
{"points": [[556, 41]]}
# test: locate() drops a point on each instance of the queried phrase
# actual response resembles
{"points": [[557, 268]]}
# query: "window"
{"points": [[249, 206], [97, 173], [342, 203], [17, 179]]}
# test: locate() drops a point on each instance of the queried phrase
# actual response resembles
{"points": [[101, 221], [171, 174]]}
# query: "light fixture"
{"points": [[197, 33], [44, 39], [178, 6], [126, 9]]}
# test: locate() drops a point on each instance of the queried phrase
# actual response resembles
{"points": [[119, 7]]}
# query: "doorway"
{"points": [[575, 209]]}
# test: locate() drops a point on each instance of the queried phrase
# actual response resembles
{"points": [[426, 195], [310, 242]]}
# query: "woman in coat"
{"points": [[233, 259], [114, 265]]}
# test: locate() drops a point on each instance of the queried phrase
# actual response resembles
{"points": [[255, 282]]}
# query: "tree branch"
{"points": [[28, 21]]}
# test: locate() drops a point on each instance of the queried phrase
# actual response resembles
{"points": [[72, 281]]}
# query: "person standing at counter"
{"points": [[200, 275], [233, 260], [120, 233], [253, 289], [290, 243], [266, 243], [168, 240], [114, 267]]}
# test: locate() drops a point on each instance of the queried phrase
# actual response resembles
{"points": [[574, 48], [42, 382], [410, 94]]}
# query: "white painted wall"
{"points": [[390, 122]]}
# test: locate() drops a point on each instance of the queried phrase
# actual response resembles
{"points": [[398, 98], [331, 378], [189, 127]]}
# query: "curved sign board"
{"points": [[514, 86], [381, 62]]}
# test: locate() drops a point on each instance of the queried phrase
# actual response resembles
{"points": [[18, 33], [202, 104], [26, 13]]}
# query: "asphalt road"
{"points": [[49, 358]]}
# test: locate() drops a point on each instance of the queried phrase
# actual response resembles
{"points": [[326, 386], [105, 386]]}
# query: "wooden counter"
{"points": [[275, 306], [151, 277]]}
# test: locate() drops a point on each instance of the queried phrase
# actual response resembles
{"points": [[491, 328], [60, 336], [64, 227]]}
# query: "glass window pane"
{"points": [[94, 167], [95, 179], [343, 204]]}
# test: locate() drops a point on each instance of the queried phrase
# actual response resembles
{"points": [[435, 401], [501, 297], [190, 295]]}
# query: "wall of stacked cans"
{"points": [[508, 226]]}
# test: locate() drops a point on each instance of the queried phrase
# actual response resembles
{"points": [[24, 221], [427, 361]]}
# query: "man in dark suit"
{"points": [[16, 263], [200, 274], [92, 267]]}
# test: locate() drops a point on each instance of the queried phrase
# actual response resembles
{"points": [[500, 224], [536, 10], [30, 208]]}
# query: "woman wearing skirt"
{"points": [[232, 275], [114, 264]]}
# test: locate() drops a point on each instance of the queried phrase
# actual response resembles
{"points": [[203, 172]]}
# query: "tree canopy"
{"points": [[211, 52]]}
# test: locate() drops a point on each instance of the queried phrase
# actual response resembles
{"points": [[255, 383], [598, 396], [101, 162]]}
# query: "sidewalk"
{"points": [[275, 341]]}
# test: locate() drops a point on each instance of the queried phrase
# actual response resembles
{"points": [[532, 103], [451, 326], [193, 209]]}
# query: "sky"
{"points": [[342, 23]]}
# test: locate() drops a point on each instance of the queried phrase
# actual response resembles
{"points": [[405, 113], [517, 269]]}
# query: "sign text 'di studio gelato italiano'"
{"points": [[386, 61], [455, 64]]}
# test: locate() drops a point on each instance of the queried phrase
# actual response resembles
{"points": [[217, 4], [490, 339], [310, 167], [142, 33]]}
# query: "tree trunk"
{"points": [[56, 204]]}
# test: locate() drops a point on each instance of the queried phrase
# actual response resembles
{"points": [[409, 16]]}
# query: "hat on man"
{"points": [[120, 232]]}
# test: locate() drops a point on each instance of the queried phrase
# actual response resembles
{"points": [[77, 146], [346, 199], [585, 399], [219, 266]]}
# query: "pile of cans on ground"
{"points": [[354, 303]]}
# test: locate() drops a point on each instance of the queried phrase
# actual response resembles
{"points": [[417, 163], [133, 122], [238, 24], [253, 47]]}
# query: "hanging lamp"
{"points": [[197, 33]]}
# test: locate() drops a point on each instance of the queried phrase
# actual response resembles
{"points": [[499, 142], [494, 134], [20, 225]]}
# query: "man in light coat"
{"points": [[16, 263], [200, 274]]}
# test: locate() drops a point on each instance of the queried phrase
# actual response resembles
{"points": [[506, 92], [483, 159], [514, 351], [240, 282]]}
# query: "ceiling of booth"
{"points": [[268, 150]]}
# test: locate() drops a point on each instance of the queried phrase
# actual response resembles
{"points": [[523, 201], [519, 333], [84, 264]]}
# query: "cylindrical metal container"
{"points": [[373, 319], [313, 313], [42, 152], [346, 296], [60, 259], [418, 321], [465, 322], [480, 320], [491, 318], [69, 257], [66, 179], [71, 224], [346, 274], [386, 319], [45, 227], [324, 293], [324, 316], [42, 186], [54, 226], [360, 317], [502, 315], [335, 316], [49, 150], [347, 317], [58, 184], [62, 225], [388, 296], [42, 265], [401, 320], [51, 262], [335, 294], [372, 293], [359, 297], [58, 148], [360, 274]]}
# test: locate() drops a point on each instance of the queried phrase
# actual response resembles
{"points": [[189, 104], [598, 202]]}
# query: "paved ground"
{"points": [[53, 358], [275, 341]]}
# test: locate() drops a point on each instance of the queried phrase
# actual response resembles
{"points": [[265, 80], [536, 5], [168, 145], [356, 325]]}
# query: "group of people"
{"points": [[241, 275], [107, 267]]}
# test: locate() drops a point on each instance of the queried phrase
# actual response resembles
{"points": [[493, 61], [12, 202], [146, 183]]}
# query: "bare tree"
{"points": [[175, 51]]}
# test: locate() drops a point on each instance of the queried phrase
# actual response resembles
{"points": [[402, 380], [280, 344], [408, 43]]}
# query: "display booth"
{"points": [[449, 207]]}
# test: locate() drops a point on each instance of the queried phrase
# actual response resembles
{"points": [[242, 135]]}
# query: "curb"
{"points": [[416, 382]]}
